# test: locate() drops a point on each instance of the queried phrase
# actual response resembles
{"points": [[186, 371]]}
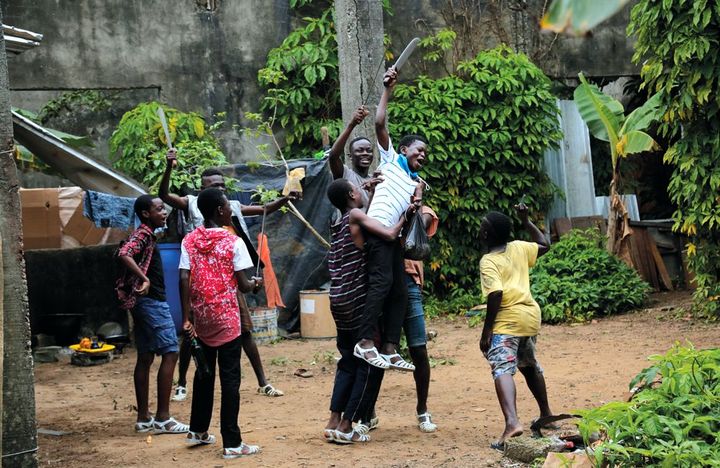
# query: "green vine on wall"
{"points": [[678, 45]]}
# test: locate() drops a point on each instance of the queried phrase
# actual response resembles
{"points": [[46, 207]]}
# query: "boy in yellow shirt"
{"points": [[513, 317]]}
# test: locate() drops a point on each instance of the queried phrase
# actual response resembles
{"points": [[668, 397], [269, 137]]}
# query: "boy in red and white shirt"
{"points": [[212, 261]]}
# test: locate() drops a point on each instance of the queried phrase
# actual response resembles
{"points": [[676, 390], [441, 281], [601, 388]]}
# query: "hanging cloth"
{"points": [[272, 289]]}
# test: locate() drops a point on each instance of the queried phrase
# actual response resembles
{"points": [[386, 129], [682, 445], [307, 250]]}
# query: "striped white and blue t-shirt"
{"points": [[392, 195]]}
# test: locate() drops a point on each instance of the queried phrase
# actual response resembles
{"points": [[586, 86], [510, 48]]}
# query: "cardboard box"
{"points": [[41, 218], [82, 229]]}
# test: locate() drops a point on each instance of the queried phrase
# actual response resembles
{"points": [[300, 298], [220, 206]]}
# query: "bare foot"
{"points": [[510, 432]]}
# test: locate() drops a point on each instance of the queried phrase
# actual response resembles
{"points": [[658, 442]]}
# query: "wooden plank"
{"points": [[562, 226], [659, 263], [642, 259]]}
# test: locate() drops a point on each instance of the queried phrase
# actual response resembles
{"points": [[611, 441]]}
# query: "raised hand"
{"points": [[390, 78]]}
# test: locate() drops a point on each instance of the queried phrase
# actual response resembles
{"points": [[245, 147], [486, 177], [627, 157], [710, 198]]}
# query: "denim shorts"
{"points": [[508, 352], [154, 327], [414, 324]]}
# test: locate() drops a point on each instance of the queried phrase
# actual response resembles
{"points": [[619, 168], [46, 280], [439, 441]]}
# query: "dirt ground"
{"points": [[585, 365]]}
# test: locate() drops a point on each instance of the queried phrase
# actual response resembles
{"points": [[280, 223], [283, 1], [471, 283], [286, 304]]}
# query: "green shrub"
{"points": [[458, 302], [578, 280], [140, 147], [671, 423]]}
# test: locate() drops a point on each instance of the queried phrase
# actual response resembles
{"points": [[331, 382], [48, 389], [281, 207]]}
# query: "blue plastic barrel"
{"points": [[170, 254]]}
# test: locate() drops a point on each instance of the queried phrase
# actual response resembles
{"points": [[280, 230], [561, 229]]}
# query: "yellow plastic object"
{"points": [[292, 184], [104, 349]]}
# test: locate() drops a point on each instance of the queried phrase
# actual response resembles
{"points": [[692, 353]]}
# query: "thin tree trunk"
{"points": [[19, 433], [612, 219]]}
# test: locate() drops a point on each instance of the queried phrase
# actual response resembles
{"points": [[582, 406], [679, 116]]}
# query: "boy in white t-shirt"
{"points": [[387, 292]]}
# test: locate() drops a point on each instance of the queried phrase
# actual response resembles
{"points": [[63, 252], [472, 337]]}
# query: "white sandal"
{"points": [[145, 426], [269, 390], [425, 423], [329, 435], [377, 361], [196, 438], [241, 451], [400, 364], [161, 427], [362, 428], [347, 437]]}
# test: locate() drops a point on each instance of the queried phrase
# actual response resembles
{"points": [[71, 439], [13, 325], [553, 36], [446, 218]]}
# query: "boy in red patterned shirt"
{"points": [[212, 261]]}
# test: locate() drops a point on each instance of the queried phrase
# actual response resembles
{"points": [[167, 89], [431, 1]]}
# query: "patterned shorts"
{"points": [[508, 352]]}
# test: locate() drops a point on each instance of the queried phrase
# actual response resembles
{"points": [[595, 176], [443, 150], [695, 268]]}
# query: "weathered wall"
{"points": [[207, 61]]}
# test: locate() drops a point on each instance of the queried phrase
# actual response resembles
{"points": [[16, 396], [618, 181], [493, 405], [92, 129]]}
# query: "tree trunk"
{"points": [[359, 26], [19, 434]]}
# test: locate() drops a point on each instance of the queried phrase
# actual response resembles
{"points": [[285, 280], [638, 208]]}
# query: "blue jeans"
{"points": [[154, 327], [414, 324]]}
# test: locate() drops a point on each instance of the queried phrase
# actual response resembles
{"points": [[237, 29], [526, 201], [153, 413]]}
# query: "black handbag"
{"points": [[417, 246]]}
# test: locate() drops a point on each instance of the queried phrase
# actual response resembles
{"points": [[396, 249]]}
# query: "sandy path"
{"points": [[585, 365]]}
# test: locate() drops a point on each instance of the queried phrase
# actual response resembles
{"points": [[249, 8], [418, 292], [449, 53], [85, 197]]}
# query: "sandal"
{"points": [[362, 428], [498, 446], [347, 438], [145, 426], [376, 361], [425, 423], [241, 451], [196, 438], [269, 390], [329, 435], [180, 394], [170, 426], [400, 364]]}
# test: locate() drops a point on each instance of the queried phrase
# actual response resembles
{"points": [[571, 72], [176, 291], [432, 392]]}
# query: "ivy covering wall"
{"points": [[678, 45]]}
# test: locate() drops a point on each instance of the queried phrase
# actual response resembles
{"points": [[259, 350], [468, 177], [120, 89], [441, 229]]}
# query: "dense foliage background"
{"points": [[140, 146], [578, 280], [678, 45]]}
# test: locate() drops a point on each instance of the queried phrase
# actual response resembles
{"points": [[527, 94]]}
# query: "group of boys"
{"points": [[215, 251], [375, 294]]}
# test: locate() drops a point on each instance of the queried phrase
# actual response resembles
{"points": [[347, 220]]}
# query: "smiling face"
{"points": [[415, 154], [157, 215], [361, 155]]}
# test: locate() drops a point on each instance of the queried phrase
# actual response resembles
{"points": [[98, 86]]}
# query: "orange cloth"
{"points": [[414, 268], [272, 289]]}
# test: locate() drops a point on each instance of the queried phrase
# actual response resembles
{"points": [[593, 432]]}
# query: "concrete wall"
{"points": [[207, 61]]}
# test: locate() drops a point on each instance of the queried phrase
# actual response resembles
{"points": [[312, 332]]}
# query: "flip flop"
{"points": [[498, 446], [399, 364], [304, 373], [377, 361]]}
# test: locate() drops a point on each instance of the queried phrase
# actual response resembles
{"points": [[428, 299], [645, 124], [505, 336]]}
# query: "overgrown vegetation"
{"points": [[72, 101], [139, 145], [487, 123], [674, 420], [578, 280], [678, 45], [487, 127]]}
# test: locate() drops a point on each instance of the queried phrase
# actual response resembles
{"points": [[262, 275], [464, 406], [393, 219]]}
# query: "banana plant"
{"points": [[577, 17], [606, 120]]}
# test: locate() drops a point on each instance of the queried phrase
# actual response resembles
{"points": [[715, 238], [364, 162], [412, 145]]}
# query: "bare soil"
{"points": [[585, 365]]}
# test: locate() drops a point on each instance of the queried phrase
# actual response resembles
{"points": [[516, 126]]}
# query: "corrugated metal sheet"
{"points": [[570, 167], [75, 166]]}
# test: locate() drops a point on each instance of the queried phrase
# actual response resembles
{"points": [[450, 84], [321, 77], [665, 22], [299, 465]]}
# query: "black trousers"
{"points": [[228, 360], [357, 383], [386, 299]]}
